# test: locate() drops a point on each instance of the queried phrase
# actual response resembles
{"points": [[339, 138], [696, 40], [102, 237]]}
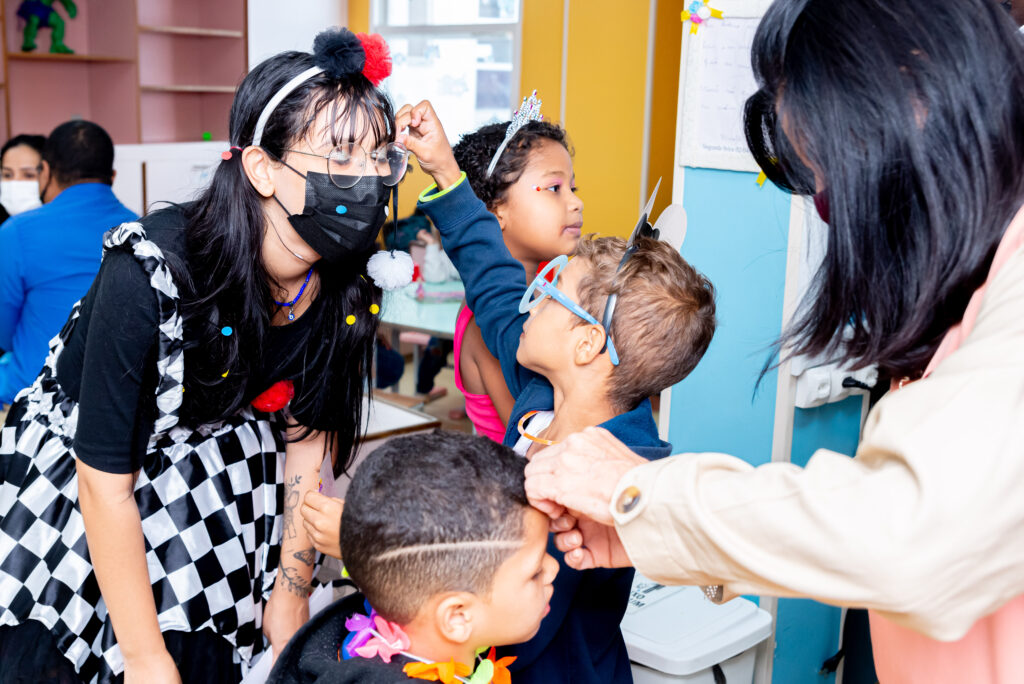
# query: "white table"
{"points": [[402, 311], [383, 420]]}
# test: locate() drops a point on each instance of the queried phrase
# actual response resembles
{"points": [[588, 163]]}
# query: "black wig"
{"points": [[911, 116], [228, 283]]}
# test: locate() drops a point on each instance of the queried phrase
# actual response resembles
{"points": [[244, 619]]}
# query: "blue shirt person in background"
{"points": [[49, 256]]}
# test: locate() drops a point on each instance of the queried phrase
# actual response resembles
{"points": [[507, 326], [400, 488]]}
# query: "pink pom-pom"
{"points": [[378, 57]]}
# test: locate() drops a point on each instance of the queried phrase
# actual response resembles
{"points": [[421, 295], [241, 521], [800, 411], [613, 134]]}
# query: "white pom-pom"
{"points": [[390, 270]]}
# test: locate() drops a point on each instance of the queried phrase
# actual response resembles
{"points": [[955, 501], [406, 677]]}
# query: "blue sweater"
{"points": [[579, 640], [48, 259]]}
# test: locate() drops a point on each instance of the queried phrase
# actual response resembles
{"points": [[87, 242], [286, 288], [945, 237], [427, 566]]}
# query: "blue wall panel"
{"points": [[808, 632], [737, 235], [806, 635], [832, 426]]}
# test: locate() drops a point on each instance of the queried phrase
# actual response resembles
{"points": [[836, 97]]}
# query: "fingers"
{"points": [[567, 541], [321, 517], [580, 559], [315, 500], [543, 492], [551, 509], [402, 117], [415, 146], [311, 530], [563, 523], [414, 115], [316, 505]]}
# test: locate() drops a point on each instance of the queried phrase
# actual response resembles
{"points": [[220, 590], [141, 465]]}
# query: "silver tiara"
{"points": [[527, 112]]}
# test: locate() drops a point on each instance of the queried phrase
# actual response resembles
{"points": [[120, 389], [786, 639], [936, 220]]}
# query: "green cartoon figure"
{"points": [[41, 14]]}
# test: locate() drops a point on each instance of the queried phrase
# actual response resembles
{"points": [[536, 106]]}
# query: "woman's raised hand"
{"points": [[426, 139], [573, 483]]}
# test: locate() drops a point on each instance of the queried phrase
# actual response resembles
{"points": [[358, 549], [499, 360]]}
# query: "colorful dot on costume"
{"points": [[207, 136], [374, 309], [350, 319], [225, 374], [226, 331], [341, 209]]}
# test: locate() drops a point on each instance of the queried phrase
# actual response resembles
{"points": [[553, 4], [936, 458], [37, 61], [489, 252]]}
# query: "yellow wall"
{"points": [[541, 63], [359, 15], [604, 109], [664, 98]]}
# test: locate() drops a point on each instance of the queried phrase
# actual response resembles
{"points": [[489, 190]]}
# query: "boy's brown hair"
{"points": [[664, 318]]}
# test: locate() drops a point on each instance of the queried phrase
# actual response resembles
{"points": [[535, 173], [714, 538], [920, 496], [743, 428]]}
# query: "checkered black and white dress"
{"points": [[208, 498]]}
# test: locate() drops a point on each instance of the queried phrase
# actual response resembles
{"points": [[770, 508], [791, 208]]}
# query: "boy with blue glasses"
{"points": [[616, 324]]}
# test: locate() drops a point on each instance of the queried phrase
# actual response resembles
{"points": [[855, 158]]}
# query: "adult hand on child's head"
{"points": [[580, 473], [573, 483], [427, 140], [321, 518]]}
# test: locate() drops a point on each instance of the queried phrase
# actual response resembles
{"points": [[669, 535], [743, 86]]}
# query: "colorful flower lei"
{"points": [[371, 636]]}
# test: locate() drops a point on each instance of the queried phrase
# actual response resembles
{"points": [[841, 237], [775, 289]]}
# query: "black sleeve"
{"points": [[116, 398]]}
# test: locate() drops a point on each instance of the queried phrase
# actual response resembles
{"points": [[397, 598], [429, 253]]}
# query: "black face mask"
{"points": [[338, 222]]}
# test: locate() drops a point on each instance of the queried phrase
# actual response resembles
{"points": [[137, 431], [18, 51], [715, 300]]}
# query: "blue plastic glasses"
{"points": [[541, 288]]}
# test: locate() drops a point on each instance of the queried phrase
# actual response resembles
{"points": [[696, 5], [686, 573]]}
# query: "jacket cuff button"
{"points": [[628, 500]]}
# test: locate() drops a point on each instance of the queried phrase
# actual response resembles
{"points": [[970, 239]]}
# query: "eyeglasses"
{"points": [[349, 162], [541, 288]]}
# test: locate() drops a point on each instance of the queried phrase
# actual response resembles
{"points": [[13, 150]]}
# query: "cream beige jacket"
{"points": [[924, 525]]}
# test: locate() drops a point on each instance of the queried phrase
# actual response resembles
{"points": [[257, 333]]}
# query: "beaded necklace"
{"points": [[291, 313]]}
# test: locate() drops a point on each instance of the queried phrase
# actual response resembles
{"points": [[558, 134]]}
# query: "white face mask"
{"points": [[19, 195]]}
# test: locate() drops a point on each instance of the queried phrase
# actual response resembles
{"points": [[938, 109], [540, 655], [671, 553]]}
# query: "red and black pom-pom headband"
{"points": [[339, 53]]}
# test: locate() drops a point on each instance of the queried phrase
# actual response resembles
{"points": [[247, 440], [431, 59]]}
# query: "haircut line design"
{"points": [[447, 546]]}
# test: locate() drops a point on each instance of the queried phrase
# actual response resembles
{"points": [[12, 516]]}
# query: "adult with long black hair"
{"points": [[149, 478], [906, 121]]}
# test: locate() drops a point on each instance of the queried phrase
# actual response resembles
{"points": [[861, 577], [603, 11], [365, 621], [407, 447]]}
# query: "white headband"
{"points": [[285, 90]]}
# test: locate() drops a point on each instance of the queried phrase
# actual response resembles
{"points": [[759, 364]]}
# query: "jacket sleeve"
{"points": [[12, 293], [923, 525], [495, 282]]}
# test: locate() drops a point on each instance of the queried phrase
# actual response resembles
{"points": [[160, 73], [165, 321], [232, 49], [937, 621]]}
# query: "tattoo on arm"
{"points": [[291, 500], [307, 556], [295, 582]]}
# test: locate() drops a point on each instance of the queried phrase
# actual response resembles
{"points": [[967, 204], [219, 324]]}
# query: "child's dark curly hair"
{"points": [[475, 150]]}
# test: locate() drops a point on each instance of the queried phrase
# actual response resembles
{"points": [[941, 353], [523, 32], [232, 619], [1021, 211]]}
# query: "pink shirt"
{"points": [[479, 407], [990, 651]]}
